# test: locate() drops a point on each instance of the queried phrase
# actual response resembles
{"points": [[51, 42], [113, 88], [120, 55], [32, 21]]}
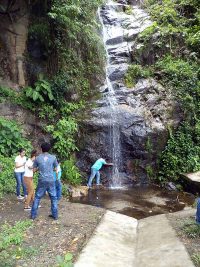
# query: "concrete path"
{"points": [[121, 241]]}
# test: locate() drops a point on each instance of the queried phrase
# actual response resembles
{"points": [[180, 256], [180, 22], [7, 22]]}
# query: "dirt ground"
{"points": [[50, 238], [72, 230]]}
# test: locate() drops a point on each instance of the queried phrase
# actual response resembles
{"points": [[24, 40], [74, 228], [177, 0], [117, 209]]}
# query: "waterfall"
{"points": [[121, 23], [114, 144]]}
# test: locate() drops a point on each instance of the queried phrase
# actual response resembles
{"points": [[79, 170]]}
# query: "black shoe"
{"points": [[51, 216]]}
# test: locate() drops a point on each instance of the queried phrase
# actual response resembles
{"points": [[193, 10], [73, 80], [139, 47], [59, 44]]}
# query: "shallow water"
{"points": [[138, 201]]}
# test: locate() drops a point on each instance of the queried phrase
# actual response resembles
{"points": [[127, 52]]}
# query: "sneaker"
{"points": [[39, 206], [20, 197], [27, 208], [51, 216]]}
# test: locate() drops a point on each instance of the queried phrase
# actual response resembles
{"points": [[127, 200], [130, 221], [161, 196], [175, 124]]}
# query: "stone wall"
{"points": [[13, 37]]}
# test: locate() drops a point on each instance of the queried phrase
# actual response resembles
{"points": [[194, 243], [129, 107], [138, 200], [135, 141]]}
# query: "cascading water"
{"points": [[119, 29], [115, 146]]}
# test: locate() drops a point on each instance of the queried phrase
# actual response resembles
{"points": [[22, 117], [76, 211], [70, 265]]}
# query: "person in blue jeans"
{"points": [[95, 171], [198, 211], [45, 164], [58, 184], [20, 161]]}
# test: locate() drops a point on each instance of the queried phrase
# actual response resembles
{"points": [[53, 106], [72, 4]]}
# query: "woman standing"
{"points": [[28, 180], [20, 161]]}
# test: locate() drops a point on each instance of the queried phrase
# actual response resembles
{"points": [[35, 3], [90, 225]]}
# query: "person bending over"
{"points": [[95, 171]]}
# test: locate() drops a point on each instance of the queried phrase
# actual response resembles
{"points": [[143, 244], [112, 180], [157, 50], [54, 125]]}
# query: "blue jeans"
{"points": [[19, 176], [58, 189], [94, 173], [41, 189], [198, 211]]}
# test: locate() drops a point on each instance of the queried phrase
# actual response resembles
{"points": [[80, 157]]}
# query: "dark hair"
{"points": [[21, 150], [33, 153], [45, 147]]}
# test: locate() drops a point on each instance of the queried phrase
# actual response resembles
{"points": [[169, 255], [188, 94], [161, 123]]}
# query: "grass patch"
{"points": [[196, 259], [191, 229], [11, 239]]}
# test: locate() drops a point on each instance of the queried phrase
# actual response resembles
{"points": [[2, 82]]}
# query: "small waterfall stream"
{"points": [[117, 29], [115, 146]]}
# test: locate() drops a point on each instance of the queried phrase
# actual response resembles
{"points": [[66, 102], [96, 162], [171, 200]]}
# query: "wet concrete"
{"points": [[138, 201]]}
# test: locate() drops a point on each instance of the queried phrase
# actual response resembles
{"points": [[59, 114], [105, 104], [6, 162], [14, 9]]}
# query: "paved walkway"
{"points": [[121, 241]]}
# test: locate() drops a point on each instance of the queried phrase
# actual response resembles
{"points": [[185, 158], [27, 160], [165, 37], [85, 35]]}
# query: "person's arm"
{"points": [[55, 166], [109, 164], [35, 165]]}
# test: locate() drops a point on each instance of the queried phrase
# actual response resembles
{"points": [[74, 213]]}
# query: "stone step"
{"points": [[158, 245], [122, 241], [113, 243]]}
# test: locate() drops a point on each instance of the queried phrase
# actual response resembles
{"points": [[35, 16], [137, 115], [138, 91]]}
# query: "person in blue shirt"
{"points": [[95, 171], [45, 164], [58, 184]]}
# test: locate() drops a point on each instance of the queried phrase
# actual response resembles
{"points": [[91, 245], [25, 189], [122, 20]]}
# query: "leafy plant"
{"points": [[70, 173], [7, 181], [63, 133], [65, 261], [11, 239], [11, 138], [134, 73], [41, 90]]}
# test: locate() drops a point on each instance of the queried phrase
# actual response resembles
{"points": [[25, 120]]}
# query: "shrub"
{"points": [[134, 73], [70, 173], [63, 133], [7, 180], [40, 92], [11, 138]]}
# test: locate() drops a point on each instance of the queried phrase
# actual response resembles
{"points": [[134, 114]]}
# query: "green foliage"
{"points": [[181, 155], [149, 171], [11, 138], [75, 29], [48, 113], [65, 261], [40, 92], [191, 229], [70, 173], [134, 73], [196, 259], [7, 181], [171, 46], [63, 133], [11, 239]]}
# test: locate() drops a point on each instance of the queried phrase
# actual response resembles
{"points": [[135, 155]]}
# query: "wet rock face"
{"points": [[142, 113]]}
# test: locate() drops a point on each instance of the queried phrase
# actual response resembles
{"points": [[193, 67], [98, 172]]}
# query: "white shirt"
{"points": [[20, 160], [28, 171]]}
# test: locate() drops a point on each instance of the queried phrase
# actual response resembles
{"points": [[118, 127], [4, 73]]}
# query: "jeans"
{"points": [[198, 211], [58, 189], [41, 189], [19, 176], [94, 173]]}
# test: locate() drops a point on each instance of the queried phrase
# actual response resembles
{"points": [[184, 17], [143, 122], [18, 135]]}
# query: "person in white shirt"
{"points": [[20, 161], [28, 180]]}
